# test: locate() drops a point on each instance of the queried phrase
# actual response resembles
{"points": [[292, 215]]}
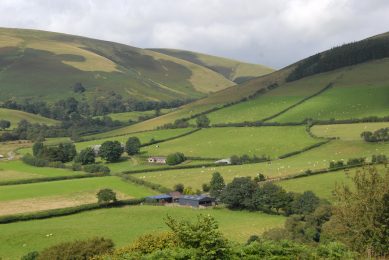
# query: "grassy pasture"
{"points": [[321, 184], [317, 158], [16, 170], [14, 116], [270, 103], [123, 225], [144, 137], [347, 132], [134, 115], [68, 187], [226, 141]]}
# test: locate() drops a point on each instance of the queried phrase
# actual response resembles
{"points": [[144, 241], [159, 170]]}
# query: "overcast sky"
{"points": [[274, 32]]}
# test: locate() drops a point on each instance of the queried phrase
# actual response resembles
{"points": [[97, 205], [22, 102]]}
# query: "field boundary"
{"points": [[171, 138], [45, 214], [327, 87], [50, 179]]}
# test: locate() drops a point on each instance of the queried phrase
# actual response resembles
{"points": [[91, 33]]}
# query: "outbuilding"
{"points": [[160, 160], [162, 198], [196, 200]]}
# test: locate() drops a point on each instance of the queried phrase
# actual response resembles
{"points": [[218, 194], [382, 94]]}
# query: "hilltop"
{"points": [[47, 65]]}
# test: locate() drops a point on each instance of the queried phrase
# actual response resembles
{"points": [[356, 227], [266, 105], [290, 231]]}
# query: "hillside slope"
{"points": [[14, 116], [46, 65], [348, 91], [236, 71]]}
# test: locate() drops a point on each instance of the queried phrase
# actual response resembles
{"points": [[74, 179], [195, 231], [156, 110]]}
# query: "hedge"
{"points": [[153, 186], [303, 150], [47, 179], [66, 211]]}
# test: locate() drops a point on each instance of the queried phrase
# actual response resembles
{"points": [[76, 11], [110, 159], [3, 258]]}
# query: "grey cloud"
{"points": [[274, 33]]}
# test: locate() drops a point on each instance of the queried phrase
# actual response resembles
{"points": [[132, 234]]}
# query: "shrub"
{"points": [[76, 167], [96, 168], [106, 196], [30, 256], [79, 249], [206, 187], [34, 161], [179, 187], [175, 158], [56, 165]]}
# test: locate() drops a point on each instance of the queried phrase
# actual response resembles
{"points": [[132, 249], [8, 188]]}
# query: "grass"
{"points": [[347, 131], [17, 170], [322, 184], [123, 225], [272, 102], [51, 63], [317, 158], [144, 137], [68, 187], [224, 142], [134, 115], [14, 116]]}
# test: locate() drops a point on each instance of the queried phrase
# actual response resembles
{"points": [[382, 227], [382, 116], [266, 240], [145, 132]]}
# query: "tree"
{"points": [[206, 187], [111, 151], [4, 124], [84, 249], [239, 192], [202, 121], [269, 197], [132, 145], [179, 187], [305, 203], [106, 196], [361, 214], [203, 235], [86, 156], [175, 158], [216, 185], [37, 149], [260, 177], [235, 160]]}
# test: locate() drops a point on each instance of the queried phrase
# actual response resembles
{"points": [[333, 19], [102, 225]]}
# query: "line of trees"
{"points": [[342, 56], [380, 135]]}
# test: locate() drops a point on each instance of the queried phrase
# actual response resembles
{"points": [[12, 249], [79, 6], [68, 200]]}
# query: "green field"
{"points": [[134, 115], [123, 225], [15, 116], [17, 170], [68, 187], [144, 137], [322, 184], [347, 131], [227, 141], [270, 103], [317, 158]]}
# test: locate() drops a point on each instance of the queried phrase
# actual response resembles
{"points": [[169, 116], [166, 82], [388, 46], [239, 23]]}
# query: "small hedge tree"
{"points": [[4, 124], [175, 158], [133, 145], [106, 196]]}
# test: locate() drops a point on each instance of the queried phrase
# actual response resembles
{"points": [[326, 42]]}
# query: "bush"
{"points": [[34, 161], [179, 187], [30, 256], [206, 187], [97, 168], [56, 165], [106, 196], [79, 249], [76, 167], [175, 158]]}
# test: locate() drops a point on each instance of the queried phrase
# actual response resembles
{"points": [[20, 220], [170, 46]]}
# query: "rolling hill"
{"points": [[14, 116], [46, 65], [233, 70], [352, 88]]}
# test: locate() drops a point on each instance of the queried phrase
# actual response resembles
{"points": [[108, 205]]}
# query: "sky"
{"points": [[275, 33]]}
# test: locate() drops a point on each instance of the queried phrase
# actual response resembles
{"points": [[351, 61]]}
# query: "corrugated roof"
{"points": [[160, 196], [195, 197]]}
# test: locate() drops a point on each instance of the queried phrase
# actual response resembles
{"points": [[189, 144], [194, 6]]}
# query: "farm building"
{"points": [[161, 160], [195, 200], [162, 198], [175, 195], [224, 161]]}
